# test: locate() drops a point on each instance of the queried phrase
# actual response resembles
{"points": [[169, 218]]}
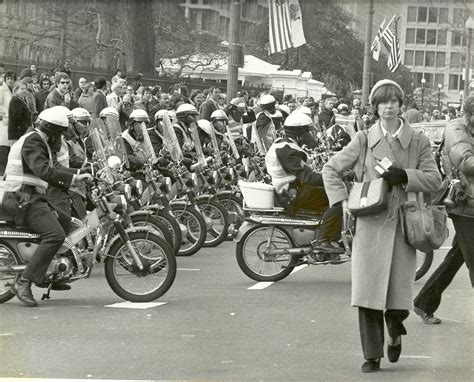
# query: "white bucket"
{"points": [[257, 195]]}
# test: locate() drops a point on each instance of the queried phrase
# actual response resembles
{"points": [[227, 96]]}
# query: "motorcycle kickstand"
{"points": [[46, 295]]}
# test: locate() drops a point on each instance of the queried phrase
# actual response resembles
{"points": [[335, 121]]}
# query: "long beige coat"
{"points": [[5, 97], [383, 264]]}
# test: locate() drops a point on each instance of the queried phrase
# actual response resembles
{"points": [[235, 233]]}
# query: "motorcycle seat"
{"points": [[6, 217]]}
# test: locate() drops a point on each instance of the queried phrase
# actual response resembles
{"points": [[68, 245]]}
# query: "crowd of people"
{"points": [[283, 131]]}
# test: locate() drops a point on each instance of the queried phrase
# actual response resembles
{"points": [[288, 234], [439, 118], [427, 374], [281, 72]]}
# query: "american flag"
{"points": [[390, 40], [376, 46], [285, 25]]}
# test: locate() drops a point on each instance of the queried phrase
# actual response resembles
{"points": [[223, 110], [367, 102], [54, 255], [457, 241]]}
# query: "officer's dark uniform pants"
{"points": [[41, 219], [462, 252], [314, 198], [372, 330]]}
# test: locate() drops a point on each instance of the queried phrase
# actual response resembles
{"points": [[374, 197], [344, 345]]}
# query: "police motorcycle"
{"points": [[139, 265], [112, 140], [272, 242]]}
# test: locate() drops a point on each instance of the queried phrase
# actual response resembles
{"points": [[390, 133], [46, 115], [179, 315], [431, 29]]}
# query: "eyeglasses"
{"points": [[64, 82]]}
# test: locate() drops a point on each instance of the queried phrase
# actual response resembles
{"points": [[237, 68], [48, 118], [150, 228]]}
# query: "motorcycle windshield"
{"points": [[197, 145], [170, 141], [99, 143], [115, 145], [233, 147], [215, 148], [147, 146]]}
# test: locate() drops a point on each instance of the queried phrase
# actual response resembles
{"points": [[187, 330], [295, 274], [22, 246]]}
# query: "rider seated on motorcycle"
{"points": [[156, 129], [133, 139], [28, 173], [286, 164]]}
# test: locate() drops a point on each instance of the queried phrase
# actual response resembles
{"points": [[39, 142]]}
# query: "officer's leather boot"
{"points": [[22, 289]]}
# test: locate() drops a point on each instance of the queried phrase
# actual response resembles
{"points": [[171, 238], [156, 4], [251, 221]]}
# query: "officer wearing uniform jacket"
{"points": [[134, 140], [286, 163], [266, 128], [28, 173], [458, 163]]}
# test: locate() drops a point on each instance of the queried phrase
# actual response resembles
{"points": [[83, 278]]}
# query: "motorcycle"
{"points": [[139, 265], [271, 243]]}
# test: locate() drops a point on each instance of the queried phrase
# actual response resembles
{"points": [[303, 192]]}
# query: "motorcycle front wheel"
{"points": [[233, 203], [423, 263], [173, 227], [196, 229], [219, 217], [259, 266], [133, 284]]}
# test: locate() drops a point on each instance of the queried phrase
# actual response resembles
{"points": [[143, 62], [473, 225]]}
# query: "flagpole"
{"points": [[366, 69]]}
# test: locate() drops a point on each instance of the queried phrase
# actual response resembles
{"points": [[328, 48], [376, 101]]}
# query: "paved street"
{"points": [[213, 327]]}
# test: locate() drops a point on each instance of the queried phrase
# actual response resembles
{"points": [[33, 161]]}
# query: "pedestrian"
{"points": [[458, 163], [22, 108], [80, 88], [114, 98], [6, 90], [117, 77], [60, 95], [383, 263], [43, 92], [210, 105], [99, 99], [326, 116], [85, 100]]}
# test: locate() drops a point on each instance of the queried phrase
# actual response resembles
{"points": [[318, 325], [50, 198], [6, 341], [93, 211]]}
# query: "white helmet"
{"points": [[305, 110], [205, 125], [109, 111], [186, 109], [285, 109], [266, 99], [219, 115], [56, 117], [81, 114], [297, 119], [161, 113], [276, 114], [68, 112], [139, 115]]}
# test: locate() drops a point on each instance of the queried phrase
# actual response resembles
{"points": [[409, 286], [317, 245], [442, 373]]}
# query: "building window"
{"points": [[410, 36], [419, 58], [411, 17], [422, 14], [443, 15], [433, 15], [458, 17], [455, 82], [440, 59], [439, 79], [420, 36], [442, 37], [429, 79], [409, 56], [456, 39], [431, 37], [455, 60], [429, 58]]}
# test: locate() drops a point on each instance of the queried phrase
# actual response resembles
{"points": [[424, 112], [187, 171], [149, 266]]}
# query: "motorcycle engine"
{"points": [[303, 236], [60, 266]]}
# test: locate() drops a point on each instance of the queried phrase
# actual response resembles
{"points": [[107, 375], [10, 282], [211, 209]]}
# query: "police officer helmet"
{"points": [[68, 112], [109, 111], [284, 109], [54, 120], [186, 109], [161, 113], [297, 121], [205, 125], [267, 99], [276, 114], [219, 115], [81, 114], [305, 110], [139, 115]]}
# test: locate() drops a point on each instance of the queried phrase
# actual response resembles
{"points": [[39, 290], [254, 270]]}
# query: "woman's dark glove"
{"points": [[395, 176]]}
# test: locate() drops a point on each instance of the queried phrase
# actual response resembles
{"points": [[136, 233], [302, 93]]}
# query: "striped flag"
{"points": [[286, 25], [376, 45], [390, 40]]}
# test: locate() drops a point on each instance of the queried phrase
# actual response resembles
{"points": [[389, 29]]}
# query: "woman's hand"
{"points": [[395, 176]]}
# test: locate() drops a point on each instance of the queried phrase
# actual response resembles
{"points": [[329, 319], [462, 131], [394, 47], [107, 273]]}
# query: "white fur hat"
{"points": [[382, 83]]}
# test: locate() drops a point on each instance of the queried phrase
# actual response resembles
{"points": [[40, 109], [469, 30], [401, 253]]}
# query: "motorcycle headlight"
{"points": [[126, 190], [137, 187], [166, 185], [194, 179], [216, 177]]}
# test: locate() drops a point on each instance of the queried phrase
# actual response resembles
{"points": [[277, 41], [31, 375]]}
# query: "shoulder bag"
{"points": [[367, 198]]}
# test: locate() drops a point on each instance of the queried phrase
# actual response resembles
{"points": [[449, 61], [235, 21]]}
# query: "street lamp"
{"points": [[460, 100], [423, 81], [440, 86]]}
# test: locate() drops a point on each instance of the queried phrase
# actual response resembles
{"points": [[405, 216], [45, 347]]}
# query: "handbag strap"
{"points": [[412, 196], [366, 135]]}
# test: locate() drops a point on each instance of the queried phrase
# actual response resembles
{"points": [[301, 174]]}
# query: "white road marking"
{"points": [[188, 269], [260, 285], [6, 334], [265, 284], [416, 356], [450, 319], [135, 305], [446, 248]]}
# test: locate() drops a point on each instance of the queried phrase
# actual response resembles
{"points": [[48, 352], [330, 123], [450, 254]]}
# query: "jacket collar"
{"points": [[404, 136]]}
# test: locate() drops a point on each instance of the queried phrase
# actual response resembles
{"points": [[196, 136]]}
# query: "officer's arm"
{"points": [[262, 122], [155, 140], [35, 157], [249, 117], [135, 162], [459, 146], [291, 161]]}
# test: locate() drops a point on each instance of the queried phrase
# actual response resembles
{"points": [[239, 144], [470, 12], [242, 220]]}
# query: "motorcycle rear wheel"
{"points": [[173, 227], [194, 222], [233, 203], [215, 211], [131, 284], [155, 223], [252, 261], [7, 257], [423, 263]]}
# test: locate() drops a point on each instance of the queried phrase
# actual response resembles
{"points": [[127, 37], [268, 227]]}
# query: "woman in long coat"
{"points": [[383, 263]]}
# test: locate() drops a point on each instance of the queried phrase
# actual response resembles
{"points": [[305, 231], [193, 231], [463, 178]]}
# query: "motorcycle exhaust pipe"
{"points": [[12, 268], [288, 251]]}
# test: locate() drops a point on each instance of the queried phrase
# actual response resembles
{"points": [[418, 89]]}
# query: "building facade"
{"points": [[433, 41]]}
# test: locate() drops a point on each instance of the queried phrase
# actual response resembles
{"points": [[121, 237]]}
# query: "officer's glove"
{"points": [[395, 176]]}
